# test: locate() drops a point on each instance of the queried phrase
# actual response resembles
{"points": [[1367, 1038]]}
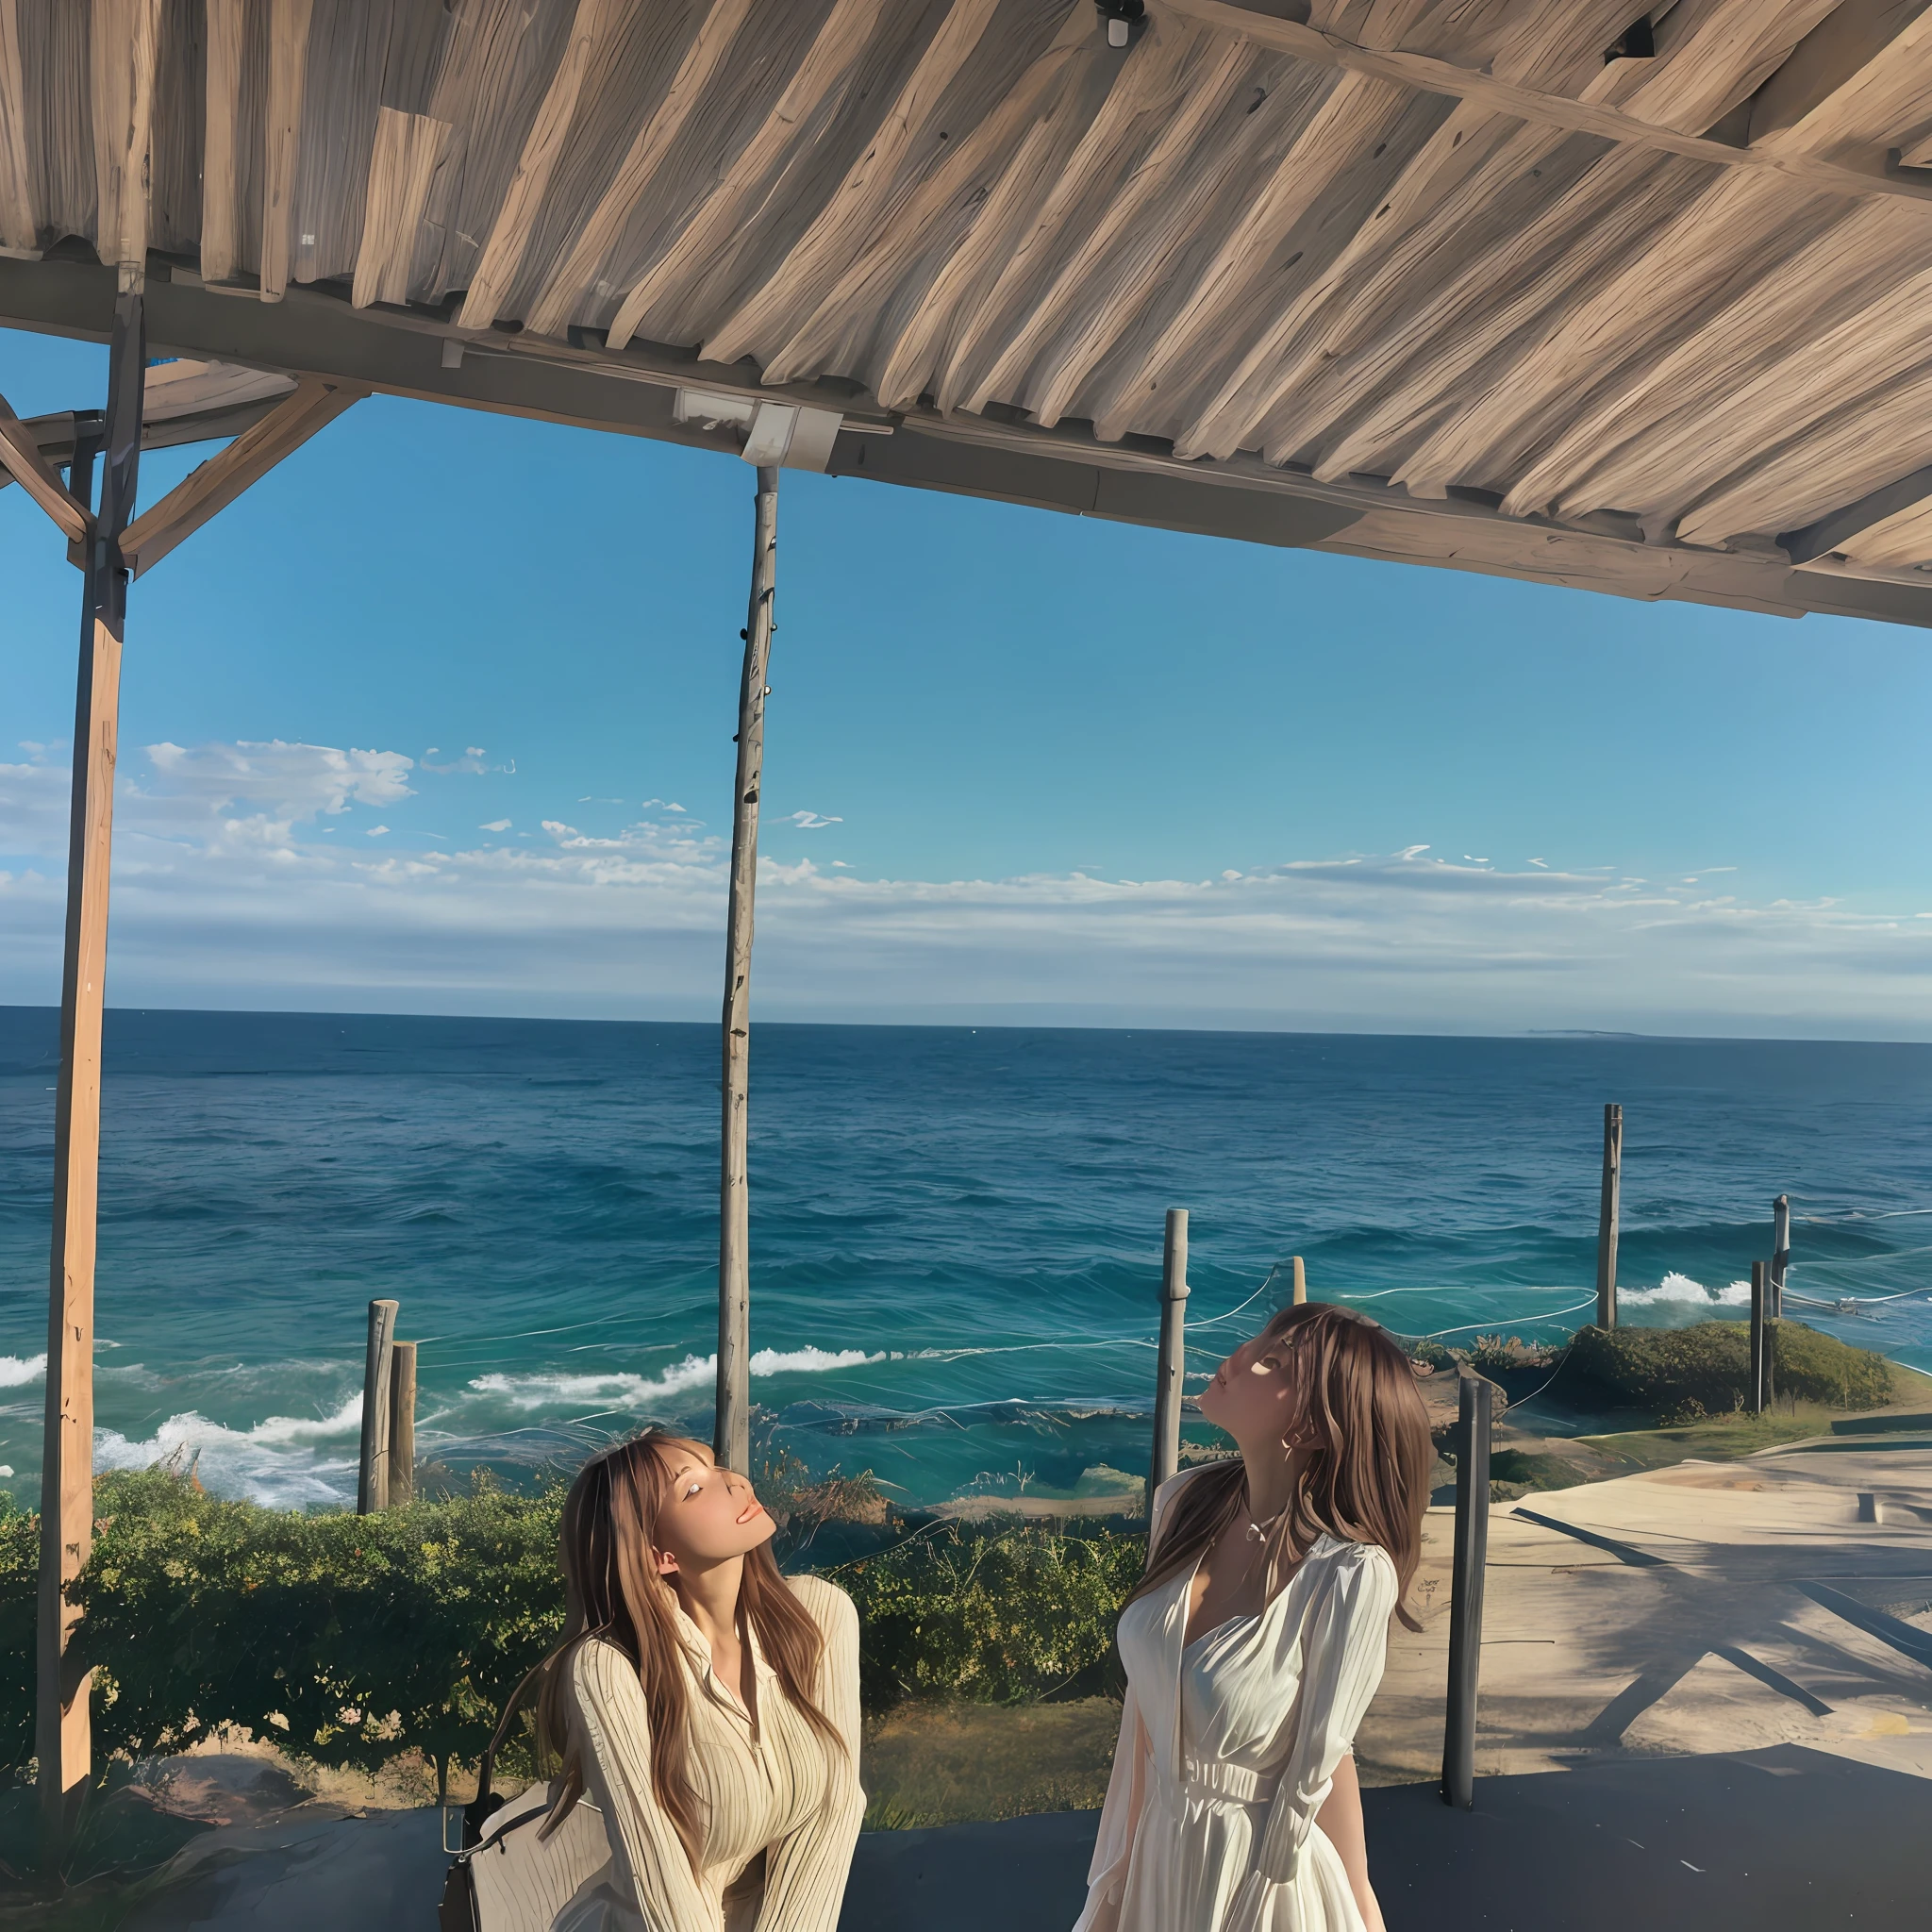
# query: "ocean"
{"points": [[956, 1232]]}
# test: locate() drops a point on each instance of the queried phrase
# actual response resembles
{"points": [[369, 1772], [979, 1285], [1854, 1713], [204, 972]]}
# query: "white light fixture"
{"points": [[776, 435]]}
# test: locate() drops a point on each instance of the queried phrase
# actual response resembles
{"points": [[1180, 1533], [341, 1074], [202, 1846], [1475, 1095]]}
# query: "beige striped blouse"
{"points": [[782, 1809]]}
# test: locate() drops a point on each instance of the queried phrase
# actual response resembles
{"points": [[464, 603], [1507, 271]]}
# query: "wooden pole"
{"points": [[1607, 1217], [1780, 1251], [402, 1424], [63, 1740], [1466, 1576], [372, 1483], [1169, 1385], [731, 1438], [1761, 1366], [1301, 1280]]}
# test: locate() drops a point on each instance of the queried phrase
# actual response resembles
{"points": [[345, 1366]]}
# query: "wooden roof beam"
{"points": [[218, 482], [1484, 91], [19, 450]]}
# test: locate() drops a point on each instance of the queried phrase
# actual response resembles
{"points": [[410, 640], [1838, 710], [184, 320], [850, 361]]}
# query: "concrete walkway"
{"points": [[1779, 1841], [1704, 1607]]}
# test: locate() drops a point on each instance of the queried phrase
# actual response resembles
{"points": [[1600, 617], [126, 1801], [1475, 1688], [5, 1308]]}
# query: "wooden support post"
{"points": [[1760, 1341], [1780, 1251], [371, 1482], [731, 1438], [62, 1741], [1301, 1280], [402, 1424], [1170, 1383], [1466, 1578], [1607, 1217]]}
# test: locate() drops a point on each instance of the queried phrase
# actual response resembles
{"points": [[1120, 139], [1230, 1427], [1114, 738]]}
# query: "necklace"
{"points": [[1257, 1532]]}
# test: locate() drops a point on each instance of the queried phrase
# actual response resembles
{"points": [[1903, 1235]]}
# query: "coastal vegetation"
{"points": [[356, 1641], [350, 1640]]}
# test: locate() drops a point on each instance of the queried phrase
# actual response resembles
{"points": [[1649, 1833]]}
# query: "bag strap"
{"points": [[485, 1804]]}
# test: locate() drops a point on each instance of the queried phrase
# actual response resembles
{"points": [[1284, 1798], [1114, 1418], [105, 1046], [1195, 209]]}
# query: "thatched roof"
{"points": [[1567, 289]]}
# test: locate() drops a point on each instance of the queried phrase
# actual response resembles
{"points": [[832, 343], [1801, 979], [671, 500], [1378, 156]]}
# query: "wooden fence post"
{"points": [[1466, 1589], [1301, 1280], [1780, 1251], [1760, 1343], [1169, 1375], [371, 1485], [402, 1425], [1607, 1217], [731, 1431]]}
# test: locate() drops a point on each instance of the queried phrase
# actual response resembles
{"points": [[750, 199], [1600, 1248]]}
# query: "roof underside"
{"points": [[1556, 289]]}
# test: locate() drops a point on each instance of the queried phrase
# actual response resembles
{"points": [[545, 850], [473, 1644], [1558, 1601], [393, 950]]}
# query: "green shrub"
{"points": [[349, 1638], [1679, 1372], [995, 1616]]}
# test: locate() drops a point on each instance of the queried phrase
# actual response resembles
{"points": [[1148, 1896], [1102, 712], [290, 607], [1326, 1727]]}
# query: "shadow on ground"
{"points": [[1784, 1840]]}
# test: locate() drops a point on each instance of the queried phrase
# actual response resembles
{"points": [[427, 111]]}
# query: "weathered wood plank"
{"points": [[557, 302], [864, 199], [1154, 192], [1358, 113], [18, 228], [837, 43], [1840, 456], [502, 252], [1149, 89], [288, 23], [407, 147], [226, 24], [124, 48], [983, 168]]}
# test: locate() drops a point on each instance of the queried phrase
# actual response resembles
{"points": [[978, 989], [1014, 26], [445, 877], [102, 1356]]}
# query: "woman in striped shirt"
{"points": [[705, 1703]]}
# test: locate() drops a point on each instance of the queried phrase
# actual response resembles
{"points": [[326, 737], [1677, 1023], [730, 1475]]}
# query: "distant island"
{"points": [[1584, 1033]]}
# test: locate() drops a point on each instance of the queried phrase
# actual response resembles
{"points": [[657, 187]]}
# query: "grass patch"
{"points": [[1718, 1438], [945, 1763], [1681, 1376]]}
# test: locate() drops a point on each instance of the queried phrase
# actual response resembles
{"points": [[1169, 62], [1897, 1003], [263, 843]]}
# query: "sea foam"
{"points": [[281, 1462], [1680, 1288], [621, 1390], [16, 1370]]}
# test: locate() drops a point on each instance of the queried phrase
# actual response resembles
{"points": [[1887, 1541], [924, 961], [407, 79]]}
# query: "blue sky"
{"points": [[1002, 714]]}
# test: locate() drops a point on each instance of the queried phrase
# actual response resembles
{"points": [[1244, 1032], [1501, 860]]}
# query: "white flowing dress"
{"points": [[1228, 1748]]}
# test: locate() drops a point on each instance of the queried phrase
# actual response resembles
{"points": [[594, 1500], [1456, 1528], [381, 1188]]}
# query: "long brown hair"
{"points": [[1365, 1477], [612, 1590]]}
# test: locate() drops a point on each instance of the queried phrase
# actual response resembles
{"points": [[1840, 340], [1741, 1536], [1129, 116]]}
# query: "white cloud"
{"points": [[1411, 851], [811, 821], [495, 825], [379, 832], [223, 893]]}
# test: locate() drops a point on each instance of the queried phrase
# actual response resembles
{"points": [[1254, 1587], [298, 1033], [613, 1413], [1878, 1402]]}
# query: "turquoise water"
{"points": [[955, 1233]]}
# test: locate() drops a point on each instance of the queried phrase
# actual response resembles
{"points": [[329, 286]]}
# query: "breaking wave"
{"points": [[284, 1462], [1680, 1288], [17, 1370], [623, 1390]]}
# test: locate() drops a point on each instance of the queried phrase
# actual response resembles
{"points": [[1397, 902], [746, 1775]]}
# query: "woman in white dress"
{"points": [[1256, 1637], [705, 1703]]}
